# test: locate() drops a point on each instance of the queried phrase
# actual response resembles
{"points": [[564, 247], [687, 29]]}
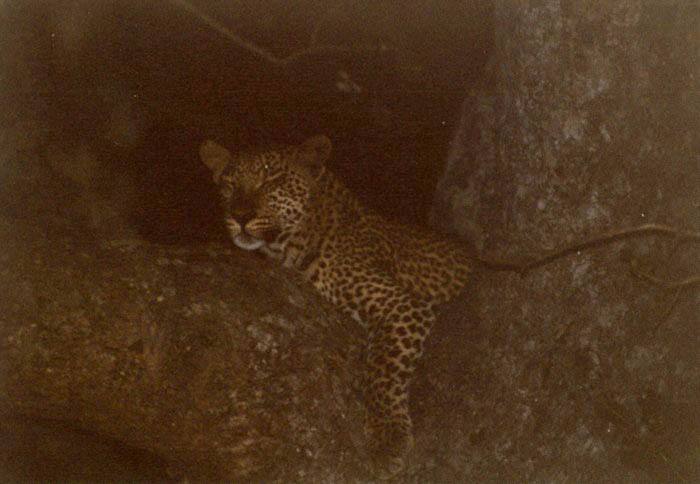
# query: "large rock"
{"points": [[588, 119], [126, 360]]}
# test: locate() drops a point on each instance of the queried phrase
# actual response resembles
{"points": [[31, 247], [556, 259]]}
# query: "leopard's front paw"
{"points": [[388, 445]]}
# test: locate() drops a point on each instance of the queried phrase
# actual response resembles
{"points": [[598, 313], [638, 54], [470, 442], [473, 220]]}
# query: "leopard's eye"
{"points": [[274, 180], [273, 175], [226, 190]]}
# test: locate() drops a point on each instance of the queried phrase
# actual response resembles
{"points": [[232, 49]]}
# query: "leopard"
{"points": [[286, 203]]}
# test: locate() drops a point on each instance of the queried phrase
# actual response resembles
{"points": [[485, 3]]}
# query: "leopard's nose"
{"points": [[242, 210], [244, 217]]}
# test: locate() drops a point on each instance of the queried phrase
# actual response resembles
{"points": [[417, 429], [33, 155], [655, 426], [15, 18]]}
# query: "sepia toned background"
{"points": [[136, 344]]}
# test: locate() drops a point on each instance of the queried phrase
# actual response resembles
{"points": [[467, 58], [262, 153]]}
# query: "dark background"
{"points": [[115, 98]]}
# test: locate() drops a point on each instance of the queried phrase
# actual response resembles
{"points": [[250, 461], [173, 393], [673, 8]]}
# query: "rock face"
{"points": [[175, 363], [588, 119]]}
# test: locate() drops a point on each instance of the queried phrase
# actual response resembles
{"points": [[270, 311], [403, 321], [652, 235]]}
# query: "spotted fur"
{"points": [[386, 276]]}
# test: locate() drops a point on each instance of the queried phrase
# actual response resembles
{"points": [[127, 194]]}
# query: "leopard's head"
{"points": [[265, 194]]}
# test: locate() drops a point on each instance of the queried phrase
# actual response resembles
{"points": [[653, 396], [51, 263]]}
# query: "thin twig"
{"points": [[612, 236], [667, 283], [220, 28], [605, 238], [315, 49], [669, 310]]}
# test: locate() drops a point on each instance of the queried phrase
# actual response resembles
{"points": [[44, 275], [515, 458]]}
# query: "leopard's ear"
{"points": [[315, 151], [215, 156]]}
